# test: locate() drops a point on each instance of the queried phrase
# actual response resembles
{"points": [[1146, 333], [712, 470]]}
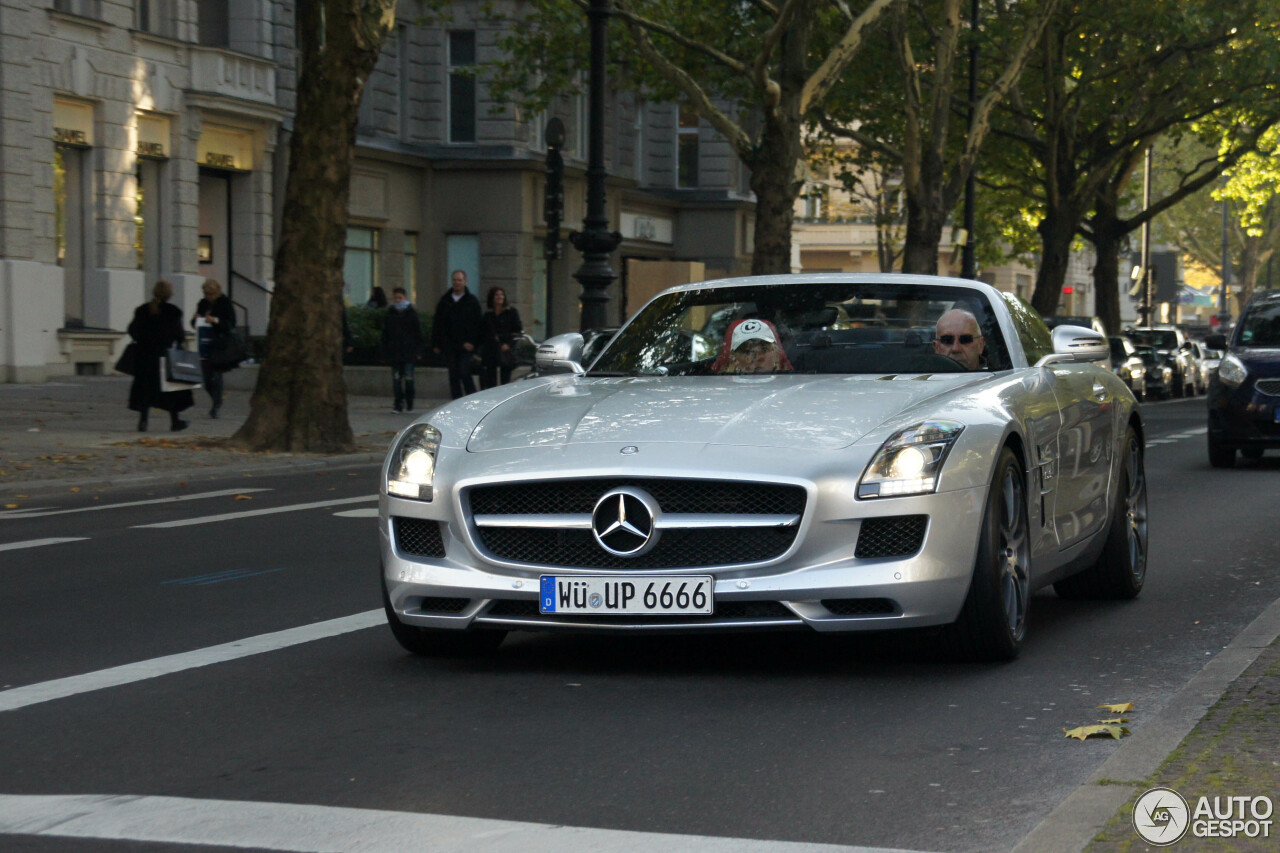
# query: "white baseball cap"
{"points": [[751, 330]]}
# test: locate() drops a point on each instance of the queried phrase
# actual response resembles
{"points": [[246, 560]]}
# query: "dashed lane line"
{"points": [[331, 829], [38, 543], [46, 691], [232, 516], [40, 513]]}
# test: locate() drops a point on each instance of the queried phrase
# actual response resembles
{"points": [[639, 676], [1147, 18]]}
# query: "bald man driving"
{"points": [[959, 338]]}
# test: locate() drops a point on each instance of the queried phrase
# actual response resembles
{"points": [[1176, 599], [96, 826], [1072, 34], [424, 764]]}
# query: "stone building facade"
{"points": [[146, 139]]}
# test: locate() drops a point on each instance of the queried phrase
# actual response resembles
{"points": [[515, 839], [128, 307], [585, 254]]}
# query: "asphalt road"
{"points": [[879, 742]]}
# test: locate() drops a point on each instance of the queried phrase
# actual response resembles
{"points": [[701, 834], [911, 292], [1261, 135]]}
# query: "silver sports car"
{"points": [[831, 452]]}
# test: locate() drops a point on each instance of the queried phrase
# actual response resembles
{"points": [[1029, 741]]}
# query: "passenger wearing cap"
{"points": [[959, 338], [751, 346]]}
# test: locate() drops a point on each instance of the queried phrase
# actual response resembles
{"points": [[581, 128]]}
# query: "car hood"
{"points": [[795, 412], [1261, 361]]}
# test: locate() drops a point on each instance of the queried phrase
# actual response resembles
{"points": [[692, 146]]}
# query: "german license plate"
{"points": [[609, 596]]}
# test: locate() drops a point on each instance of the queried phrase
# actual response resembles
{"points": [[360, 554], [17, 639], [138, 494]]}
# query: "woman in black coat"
{"points": [[502, 330], [220, 319], [156, 326]]}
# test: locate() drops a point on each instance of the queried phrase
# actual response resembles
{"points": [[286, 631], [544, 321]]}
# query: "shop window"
{"points": [[155, 16], [687, 149], [360, 271], [411, 264], [462, 86]]}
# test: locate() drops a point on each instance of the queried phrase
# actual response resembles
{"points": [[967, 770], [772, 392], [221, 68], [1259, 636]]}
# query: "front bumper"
{"points": [[818, 583], [1243, 416]]}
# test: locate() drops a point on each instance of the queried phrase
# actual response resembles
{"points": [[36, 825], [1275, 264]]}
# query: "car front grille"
{"points": [[673, 495], [724, 610], [891, 536], [676, 548], [1270, 387], [739, 532], [418, 536]]}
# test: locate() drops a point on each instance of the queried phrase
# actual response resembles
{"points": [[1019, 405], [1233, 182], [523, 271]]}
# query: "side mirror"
{"points": [[560, 354], [1217, 341], [1076, 345]]}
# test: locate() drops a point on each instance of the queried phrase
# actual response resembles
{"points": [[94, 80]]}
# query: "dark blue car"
{"points": [[1244, 393]]}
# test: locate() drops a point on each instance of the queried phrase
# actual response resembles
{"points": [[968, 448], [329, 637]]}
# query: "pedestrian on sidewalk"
{"points": [[377, 298], [155, 327], [214, 318], [502, 329], [457, 333], [402, 343]]}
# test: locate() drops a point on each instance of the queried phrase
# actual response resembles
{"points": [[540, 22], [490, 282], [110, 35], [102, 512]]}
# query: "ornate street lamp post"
{"points": [[595, 241]]}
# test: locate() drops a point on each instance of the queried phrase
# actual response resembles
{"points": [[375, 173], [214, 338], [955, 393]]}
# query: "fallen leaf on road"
{"points": [[1114, 721], [1121, 708], [243, 498], [75, 488], [10, 506], [1085, 732]]}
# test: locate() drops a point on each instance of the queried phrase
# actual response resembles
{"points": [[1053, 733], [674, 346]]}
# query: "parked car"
{"points": [[1159, 373], [1205, 363], [857, 483], [1172, 342], [1244, 394], [1128, 365]]}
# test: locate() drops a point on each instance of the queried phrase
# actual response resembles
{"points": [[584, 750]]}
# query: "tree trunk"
{"points": [[1107, 235], [924, 233], [300, 402], [774, 181], [1057, 230]]}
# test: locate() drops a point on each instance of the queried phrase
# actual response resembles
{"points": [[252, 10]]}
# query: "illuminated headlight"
{"points": [[1232, 371], [909, 462], [413, 463]]}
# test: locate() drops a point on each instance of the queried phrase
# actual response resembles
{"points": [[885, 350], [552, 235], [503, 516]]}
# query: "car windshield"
{"points": [[1261, 326], [1158, 338], [814, 327]]}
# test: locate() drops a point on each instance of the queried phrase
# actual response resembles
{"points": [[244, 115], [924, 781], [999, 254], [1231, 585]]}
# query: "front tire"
{"points": [[438, 642], [1220, 455], [1121, 570], [993, 621]]}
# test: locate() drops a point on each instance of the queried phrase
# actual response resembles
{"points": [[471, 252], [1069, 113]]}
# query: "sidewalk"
{"points": [[76, 432], [1219, 736]]}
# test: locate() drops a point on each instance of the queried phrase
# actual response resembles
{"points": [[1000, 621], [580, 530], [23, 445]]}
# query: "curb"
{"points": [[1075, 822]]}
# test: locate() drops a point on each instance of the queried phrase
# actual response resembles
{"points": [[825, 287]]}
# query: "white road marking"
{"points": [[37, 543], [231, 516], [366, 512], [46, 691], [329, 829], [33, 513]]}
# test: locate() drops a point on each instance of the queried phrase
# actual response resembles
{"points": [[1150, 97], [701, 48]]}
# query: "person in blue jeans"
{"points": [[402, 343], [457, 333]]}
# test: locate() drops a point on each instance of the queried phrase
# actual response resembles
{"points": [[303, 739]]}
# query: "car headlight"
{"points": [[909, 462], [1232, 371], [413, 463]]}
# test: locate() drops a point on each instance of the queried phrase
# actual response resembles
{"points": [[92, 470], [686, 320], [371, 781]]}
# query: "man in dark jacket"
{"points": [[458, 333], [402, 343]]}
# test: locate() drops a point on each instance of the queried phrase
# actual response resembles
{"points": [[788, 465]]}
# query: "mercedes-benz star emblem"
{"points": [[623, 522]]}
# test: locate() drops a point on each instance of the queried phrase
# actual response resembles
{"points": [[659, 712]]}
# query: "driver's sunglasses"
{"points": [[965, 340]]}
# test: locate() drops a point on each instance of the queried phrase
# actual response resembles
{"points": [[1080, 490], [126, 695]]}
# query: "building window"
{"points": [[411, 264], [69, 186], [83, 8], [462, 86], [360, 271], [687, 149], [155, 16], [638, 135], [214, 23], [402, 81]]}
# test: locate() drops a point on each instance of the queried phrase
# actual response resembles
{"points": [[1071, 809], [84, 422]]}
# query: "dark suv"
{"points": [[1244, 393]]}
